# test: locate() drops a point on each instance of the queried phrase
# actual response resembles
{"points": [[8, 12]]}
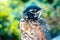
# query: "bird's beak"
{"points": [[40, 11]]}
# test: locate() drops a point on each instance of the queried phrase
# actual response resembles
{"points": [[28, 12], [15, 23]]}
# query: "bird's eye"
{"points": [[32, 10]]}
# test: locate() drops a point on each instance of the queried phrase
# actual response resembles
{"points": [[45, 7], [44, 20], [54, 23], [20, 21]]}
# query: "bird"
{"points": [[32, 26]]}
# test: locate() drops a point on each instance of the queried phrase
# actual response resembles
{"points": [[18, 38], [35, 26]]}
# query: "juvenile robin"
{"points": [[32, 26]]}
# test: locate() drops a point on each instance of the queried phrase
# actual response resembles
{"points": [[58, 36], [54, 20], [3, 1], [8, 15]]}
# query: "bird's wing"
{"points": [[45, 28], [44, 24]]}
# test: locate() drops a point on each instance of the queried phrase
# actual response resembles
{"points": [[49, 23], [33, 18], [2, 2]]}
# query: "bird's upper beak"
{"points": [[40, 11]]}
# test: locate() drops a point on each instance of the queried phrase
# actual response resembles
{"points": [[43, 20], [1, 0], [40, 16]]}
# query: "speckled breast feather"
{"points": [[31, 30]]}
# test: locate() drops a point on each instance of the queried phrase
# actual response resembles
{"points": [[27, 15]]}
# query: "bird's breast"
{"points": [[31, 31]]}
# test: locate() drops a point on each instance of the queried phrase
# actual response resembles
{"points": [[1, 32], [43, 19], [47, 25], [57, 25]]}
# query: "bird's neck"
{"points": [[32, 19]]}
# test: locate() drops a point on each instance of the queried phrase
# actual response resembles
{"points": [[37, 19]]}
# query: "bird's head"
{"points": [[32, 12]]}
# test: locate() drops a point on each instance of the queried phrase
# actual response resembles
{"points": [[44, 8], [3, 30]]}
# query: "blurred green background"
{"points": [[10, 14]]}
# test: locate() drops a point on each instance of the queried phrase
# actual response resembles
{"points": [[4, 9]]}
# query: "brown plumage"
{"points": [[32, 26], [31, 30]]}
